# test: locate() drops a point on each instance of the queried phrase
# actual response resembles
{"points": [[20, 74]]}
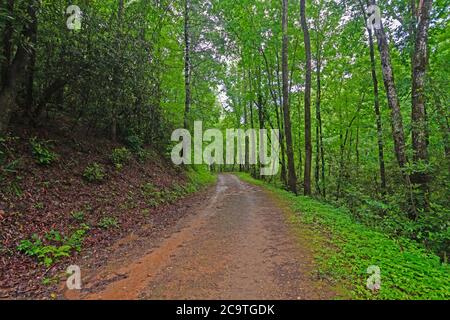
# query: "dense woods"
{"points": [[362, 110]]}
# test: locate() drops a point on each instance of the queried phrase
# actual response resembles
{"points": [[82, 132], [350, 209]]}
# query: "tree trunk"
{"points": [[320, 178], [419, 120], [115, 103], [187, 64], [308, 146], [29, 101], [376, 107], [7, 44], [292, 179], [15, 72], [391, 92]]}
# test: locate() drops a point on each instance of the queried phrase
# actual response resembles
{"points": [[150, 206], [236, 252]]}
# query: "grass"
{"points": [[344, 250]]}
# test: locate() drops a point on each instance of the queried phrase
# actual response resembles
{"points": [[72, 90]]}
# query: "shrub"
{"points": [[94, 173], [41, 152], [108, 222], [135, 143], [77, 215], [120, 156], [56, 247]]}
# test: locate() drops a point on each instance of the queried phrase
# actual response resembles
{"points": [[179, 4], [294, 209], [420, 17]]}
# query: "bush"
{"points": [[56, 247], [120, 156], [135, 143], [94, 173], [77, 215], [41, 152], [108, 222]]}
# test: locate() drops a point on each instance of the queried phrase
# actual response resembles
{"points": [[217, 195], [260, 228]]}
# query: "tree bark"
{"points": [[419, 120], [16, 71], [187, 63], [308, 146], [292, 179], [391, 92], [376, 106], [7, 44]]}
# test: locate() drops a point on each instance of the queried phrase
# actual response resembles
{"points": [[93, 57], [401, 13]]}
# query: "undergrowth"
{"points": [[344, 249]]}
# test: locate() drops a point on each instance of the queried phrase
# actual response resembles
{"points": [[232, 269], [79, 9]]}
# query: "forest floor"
{"points": [[236, 244], [65, 219]]}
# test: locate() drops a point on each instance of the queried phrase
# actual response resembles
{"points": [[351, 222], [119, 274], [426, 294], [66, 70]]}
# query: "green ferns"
{"points": [[41, 152], [53, 247]]}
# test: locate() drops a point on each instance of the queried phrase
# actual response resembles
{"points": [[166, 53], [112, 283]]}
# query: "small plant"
{"points": [[75, 241], [48, 281], [146, 212], [54, 236], [39, 205], [149, 190], [143, 155], [94, 173], [55, 247], [135, 143], [108, 222], [78, 215], [120, 156], [46, 254], [41, 152]]}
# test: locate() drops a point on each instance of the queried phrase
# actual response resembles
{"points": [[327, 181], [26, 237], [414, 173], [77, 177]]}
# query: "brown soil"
{"points": [[235, 243], [37, 199]]}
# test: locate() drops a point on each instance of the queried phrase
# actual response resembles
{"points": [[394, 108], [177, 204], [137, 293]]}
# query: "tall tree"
{"points": [[7, 42], [419, 120], [320, 152], [308, 145], [392, 96], [292, 178], [376, 99], [187, 63], [16, 70]]}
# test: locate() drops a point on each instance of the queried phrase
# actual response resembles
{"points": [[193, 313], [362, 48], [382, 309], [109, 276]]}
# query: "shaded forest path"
{"points": [[238, 244]]}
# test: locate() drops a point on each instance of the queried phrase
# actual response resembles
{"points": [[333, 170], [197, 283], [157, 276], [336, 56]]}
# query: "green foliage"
{"points": [[108, 223], [135, 143], [78, 215], [48, 281], [41, 152], [55, 246], [345, 249], [39, 205], [94, 173], [120, 156], [198, 178]]}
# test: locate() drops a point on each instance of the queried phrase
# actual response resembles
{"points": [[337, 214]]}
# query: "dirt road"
{"points": [[237, 244]]}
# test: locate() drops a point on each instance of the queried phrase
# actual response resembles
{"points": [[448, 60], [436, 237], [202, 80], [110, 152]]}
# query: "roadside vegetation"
{"points": [[344, 249], [60, 201]]}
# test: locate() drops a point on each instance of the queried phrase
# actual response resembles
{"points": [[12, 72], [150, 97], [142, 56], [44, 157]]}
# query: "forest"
{"points": [[358, 90]]}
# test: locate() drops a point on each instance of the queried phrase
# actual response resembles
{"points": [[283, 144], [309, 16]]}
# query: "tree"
{"points": [[391, 92], [376, 99], [419, 117], [308, 144], [187, 63], [15, 71]]}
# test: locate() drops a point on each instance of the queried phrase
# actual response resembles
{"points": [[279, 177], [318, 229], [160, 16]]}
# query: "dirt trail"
{"points": [[236, 245]]}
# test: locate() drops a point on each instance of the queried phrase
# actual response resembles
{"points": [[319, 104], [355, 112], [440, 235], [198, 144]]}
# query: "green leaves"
{"points": [[55, 247], [94, 173], [41, 152], [120, 156]]}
